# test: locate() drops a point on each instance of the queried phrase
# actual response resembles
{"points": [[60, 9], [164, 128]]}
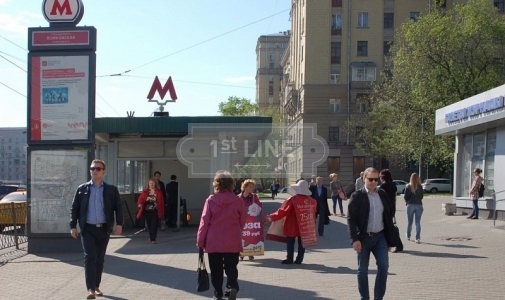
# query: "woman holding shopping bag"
{"points": [[299, 212]]}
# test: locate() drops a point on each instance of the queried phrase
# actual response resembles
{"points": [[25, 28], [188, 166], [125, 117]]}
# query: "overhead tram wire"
{"points": [[197, 44], [15, 57], [196, 82], [12, 89], [13, 43], [107, 104], [12, 63]]}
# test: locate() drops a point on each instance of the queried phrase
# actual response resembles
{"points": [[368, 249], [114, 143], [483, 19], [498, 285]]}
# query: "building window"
{"points": [[389, 20], [283, 45], [414, 15], [333, 164], [359, 134], [500, 5], [362, 48], [334, 106], [271, 100], [362, 103], [336, 52], [270, 90], [387, 48], [336, 21], [335, 78], [362, 19], [271, 45], [363, 73], [271, 65], [271, 78], [333, 134], [271, 56]]}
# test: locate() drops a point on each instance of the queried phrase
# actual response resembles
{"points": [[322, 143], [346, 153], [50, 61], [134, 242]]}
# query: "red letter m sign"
{"points": [[169, 87], [65, 7]]}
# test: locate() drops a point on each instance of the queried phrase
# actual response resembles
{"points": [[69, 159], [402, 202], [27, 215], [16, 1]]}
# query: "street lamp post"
{"points": [[421, 152]]}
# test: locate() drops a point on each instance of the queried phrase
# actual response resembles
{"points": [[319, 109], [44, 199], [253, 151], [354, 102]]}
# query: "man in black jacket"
{"points": [[161, 186], [320, 194], [172, 197], [371, 230], [94, 206]]}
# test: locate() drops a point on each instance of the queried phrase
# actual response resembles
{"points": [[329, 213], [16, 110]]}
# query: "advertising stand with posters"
{"points": [[252, 233], [61, 111]]}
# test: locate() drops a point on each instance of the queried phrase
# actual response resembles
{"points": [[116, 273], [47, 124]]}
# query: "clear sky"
{"points": [[207, 46]]}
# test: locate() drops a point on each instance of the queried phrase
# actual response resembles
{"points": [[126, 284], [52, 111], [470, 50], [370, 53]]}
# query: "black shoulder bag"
{"points": [[201, 272]]}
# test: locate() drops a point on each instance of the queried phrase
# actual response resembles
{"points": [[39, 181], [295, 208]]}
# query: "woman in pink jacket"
{"points": [[220, 233]]}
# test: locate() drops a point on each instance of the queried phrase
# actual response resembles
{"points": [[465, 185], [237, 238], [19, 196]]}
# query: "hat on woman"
{"points": [[301, 188]]}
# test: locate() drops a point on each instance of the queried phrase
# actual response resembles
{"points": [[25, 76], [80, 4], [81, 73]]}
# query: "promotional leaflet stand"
{"points": [[61, 110]]}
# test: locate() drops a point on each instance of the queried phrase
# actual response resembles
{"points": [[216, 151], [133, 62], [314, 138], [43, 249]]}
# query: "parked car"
{"points": [[7, 189], [435, 185], [400, 186], [6, 218]]}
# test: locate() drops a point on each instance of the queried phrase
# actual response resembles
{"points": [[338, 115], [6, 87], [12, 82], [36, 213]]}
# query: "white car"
{"points": [[400, 186]]}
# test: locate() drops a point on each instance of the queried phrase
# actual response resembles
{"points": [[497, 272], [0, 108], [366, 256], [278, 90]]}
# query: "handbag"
{"points": [[398, 240], [276, 231], [341, 194], [202, 275]]}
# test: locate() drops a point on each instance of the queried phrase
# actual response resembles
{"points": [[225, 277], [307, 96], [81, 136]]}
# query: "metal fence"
{"points": [[12, 225]]}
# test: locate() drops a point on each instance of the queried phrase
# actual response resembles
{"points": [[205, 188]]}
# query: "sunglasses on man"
{"points": [[98, 169], [376, 179]]}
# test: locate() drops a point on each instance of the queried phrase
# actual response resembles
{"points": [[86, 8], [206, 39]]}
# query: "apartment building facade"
{"points": [[269, 51], [13, 155], [337, 49]]}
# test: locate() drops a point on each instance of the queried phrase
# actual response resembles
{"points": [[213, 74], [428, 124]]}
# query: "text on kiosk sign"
{"points": [[473, 110]]}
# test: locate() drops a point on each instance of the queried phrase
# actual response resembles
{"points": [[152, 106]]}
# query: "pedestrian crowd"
{"points": [[232, 221]]}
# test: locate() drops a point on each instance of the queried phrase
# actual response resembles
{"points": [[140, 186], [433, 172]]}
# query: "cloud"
{"points": [[19, 24], [4, 2], [239, 79]]}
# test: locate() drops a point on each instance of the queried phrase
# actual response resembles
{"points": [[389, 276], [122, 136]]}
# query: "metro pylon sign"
{"points": [[63, 11], [162, 90]]}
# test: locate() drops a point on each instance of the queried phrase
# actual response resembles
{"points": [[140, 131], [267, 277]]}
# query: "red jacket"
{"points": [[160, 205], [287, 210]]}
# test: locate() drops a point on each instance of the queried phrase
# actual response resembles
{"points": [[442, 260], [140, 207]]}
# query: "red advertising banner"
{"points": [[305, 208], [60, 38], [252, 234]]}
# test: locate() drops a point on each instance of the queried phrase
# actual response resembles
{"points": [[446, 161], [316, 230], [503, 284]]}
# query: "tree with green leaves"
{"points": [[439, 59], [236, 106]]}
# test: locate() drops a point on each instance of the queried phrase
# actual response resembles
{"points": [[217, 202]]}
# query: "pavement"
{"points": [[457, 259]]}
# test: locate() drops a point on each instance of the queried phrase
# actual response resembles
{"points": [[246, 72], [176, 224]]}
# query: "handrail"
{"points": [[496, 201]]}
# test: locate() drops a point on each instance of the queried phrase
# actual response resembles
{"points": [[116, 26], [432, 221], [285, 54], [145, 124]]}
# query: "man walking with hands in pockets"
{"points": [[94, 206], [371, 230]]}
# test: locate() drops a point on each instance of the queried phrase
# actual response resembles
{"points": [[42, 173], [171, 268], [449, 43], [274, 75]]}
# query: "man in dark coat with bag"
{"points": [[320, 194]]}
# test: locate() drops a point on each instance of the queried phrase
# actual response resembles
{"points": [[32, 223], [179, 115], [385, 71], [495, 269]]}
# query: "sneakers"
{"points": [[218, 298], [287, 262], [233, 294], [98, 293], [418, 241]]}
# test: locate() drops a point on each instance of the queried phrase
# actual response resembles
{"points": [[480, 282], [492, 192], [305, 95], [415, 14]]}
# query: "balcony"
{"points": [[291, 100], [336, 31], [335, 60], [336, 3]]}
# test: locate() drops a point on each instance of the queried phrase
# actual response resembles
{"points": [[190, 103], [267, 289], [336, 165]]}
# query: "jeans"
{"points": [[94, 243], [227, 262], [290, 245], [152, 223], [414, 210], [335, 199], [475, 211], [379, 247]]}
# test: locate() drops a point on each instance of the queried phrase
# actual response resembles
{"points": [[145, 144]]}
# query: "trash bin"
{"points": [[449, 208]]}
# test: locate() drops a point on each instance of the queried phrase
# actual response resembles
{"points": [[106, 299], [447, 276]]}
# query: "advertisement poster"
{"points": [[305, 208], [55, 176], [59, 98], [252, 234]]}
